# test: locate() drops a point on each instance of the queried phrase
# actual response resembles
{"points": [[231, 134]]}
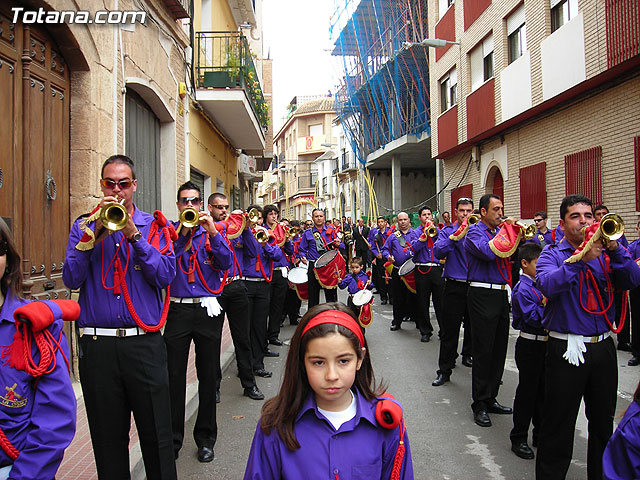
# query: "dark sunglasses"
{"points": [[186, 200], [4, 247], [111, 184], [221, 207], [538, 220]]}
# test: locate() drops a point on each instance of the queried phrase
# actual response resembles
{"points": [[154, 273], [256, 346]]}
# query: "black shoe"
{"points": [[624, 347], [383, 302], [205, 454], [253, 393], [522, 450], [425, 338], [481, 418], [394, 328], [495, 407], [276, 341], [176, 454], [634, 361], [391, 301], [467, 361], [217, 396], [271, 353], [441, 380], [261, 372]]}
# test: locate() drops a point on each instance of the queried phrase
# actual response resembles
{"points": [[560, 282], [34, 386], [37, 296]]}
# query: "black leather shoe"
{"points": [[253, 393], [205, 454], [394, 328], [634, 361], [383, 302], [271, 353], [261, 372], [276, 341], [522, 450], [495, 407], [441, 380], [467, 361], [624, 347], [425, 338], [481, 418], [217, 396]]}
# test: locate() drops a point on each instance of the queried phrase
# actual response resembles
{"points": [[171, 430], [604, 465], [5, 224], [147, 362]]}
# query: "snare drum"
{"points": [[362, 297], [407, 276], [329, 269], [298, 275]]}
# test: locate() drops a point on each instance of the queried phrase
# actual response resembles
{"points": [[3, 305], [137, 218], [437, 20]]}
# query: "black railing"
{"points": [[224, 60]]}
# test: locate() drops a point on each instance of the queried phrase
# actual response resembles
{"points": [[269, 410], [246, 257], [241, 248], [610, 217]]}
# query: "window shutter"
{"points": [[487, 46], [515, 20], [477, 67], [582, 174], [533, 189], [553, 3]]}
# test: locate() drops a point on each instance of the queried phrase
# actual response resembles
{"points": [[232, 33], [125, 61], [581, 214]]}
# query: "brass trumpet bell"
{"points": [[611, 227], [261, 235], [189, 217], [114, 216], [431, 231], [293, 232], [528, 231], [473, 219], [254, 215]]}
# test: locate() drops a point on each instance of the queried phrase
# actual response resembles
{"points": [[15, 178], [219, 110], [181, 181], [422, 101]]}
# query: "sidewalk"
{"points": [[78, 463]]}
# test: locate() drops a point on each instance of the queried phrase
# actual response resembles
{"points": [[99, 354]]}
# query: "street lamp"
{"points": [[429, 42]]}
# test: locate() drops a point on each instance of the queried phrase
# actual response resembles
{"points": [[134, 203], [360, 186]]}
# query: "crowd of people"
{"points": [[149, 287]]}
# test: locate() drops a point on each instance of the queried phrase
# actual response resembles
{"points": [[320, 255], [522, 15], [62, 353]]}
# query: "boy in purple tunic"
{"points": [[324, 422]]}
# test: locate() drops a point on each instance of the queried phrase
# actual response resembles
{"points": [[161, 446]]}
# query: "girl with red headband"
{"points": [[330, 417]]}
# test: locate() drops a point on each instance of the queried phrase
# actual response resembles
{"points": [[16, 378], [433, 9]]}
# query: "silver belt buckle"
{"points": [[121, 332]]}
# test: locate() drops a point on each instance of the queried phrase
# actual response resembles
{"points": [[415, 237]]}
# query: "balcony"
{"points": [[347, 162], [229, 90], [308, 182], [178, 8]]}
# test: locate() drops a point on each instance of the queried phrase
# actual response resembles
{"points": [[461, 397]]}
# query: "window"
{"points": [[443, 6], [561, 12], [448, 86], [533, 190], [481, 61], [315, 130], [517, 34], [583, 174]]}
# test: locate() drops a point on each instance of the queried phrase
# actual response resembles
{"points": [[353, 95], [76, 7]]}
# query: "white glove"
{"points": [[211, 304], [575, 348]]}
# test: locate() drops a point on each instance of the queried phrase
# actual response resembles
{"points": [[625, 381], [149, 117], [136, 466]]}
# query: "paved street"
{"points": [[445, 442]]}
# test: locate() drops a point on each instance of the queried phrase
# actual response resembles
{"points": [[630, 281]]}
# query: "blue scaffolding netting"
{"points": [[383, 93]]}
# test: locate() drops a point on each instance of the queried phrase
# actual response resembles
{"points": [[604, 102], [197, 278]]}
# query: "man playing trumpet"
{"points": [[578, 276], [202, 258]]}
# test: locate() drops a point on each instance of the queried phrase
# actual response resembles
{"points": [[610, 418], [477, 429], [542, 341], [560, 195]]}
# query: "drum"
{"points": [[298, 275], [407, 276], [362, 297], [330, 268]]}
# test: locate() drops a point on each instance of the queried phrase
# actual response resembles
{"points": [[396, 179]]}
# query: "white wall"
{"points": [[515, 87]]}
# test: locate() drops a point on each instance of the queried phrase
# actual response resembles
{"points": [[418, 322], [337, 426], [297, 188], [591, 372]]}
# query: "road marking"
{"points": [[486, 459]]}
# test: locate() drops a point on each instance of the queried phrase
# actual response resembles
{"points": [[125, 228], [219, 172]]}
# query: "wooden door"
{"points": [[34, 131]]}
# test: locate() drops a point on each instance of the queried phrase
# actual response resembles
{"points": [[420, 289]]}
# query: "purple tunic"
{"points": [[422, 252], [269, 255], [527, 306], [308, 247], [456, 265], [377, 242], [351, 284], [484, 265], [359, 450], [621, 459], [39, 422], [393, 247]]}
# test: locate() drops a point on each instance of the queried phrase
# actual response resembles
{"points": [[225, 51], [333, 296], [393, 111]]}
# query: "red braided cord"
{"points": [[399, 457], [8, 447]]}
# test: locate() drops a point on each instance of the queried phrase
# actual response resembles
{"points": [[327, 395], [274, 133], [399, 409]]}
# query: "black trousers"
{"points": [[403, 300], [489, 310], [596, 380], [625, 334], [634, 296], [292, 306], [429, 282], [455, 312], [527, 404], [234, 303], [378, 279], [120, 376], [258, 309], [277, 295], [330, 294], [188, 322]]}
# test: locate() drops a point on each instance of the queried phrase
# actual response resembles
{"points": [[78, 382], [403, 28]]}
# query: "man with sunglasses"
{"points": [[543, 235], [123, 358], [202, 257]]}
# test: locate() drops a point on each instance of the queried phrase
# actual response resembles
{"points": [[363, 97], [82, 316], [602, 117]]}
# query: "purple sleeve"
{"points": [[222, 258], [76, 262], [477, 244], [288, 247], [344, 283], [621, 459], [418, 244], [158, 269], [532, 307], [555, 277], [443, 245], [627, 273], [386, 248], [389, 454], [53, 420], [302, 248], [264, 461], [273, 252]]}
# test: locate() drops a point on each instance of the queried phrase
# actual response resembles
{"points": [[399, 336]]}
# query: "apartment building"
{"points": [[537, 99]]}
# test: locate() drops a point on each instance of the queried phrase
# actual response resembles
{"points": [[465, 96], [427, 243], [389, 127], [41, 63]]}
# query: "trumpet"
{"points": [[261, 235], [528, 231], [430, 230], [254, 216], [611, 227], [189, 217], [114, 216], [293, 232], [473, 219]]}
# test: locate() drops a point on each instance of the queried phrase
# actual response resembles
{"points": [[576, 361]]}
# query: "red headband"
{"points": [[338, 318]]}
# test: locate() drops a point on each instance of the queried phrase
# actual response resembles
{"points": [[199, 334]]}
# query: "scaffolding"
{"points": [[383, 92]]}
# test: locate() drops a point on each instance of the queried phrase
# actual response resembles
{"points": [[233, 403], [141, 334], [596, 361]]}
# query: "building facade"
{"points": [[536, 100]]}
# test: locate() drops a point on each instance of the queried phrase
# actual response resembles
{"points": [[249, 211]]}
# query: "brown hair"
{"points": [[11, 278], [280, 412]]}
